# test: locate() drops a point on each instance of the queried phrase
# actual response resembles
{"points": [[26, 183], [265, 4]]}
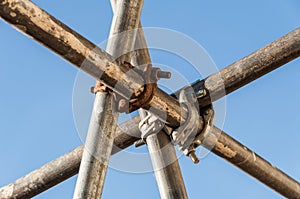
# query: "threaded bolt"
{"points": [[163, 74], [194, 157]]}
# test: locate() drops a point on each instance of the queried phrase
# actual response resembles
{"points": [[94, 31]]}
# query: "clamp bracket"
{"points": [[150, 75], [187, 131], [148, 126], [187, 136]]}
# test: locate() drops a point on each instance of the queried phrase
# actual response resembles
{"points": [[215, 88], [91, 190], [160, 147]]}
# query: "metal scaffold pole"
{"points": [[162, 152], [97, 148], [166, 167], [247, 160], [234, 76], [103, 122], [50, 32]]}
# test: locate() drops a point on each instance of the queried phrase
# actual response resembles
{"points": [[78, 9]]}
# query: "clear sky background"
{"points": [[36, 120]]}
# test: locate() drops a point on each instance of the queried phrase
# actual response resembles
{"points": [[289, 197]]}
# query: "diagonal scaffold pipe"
{"points": [[103, 122], [162, 152], [234, 77], [167, 170], [97, 149], [36, 23], [59, 38], [283, 50]]}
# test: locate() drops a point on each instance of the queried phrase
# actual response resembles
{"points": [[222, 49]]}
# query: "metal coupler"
{"points": [[189, 135]]}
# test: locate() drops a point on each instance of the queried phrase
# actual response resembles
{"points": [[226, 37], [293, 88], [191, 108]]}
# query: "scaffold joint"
{"points": [[150, 75]]}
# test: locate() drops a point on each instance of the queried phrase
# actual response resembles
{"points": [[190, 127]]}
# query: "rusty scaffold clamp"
{"points": [[150, 75]]}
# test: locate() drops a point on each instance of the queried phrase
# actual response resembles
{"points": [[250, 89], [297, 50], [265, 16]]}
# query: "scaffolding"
{"points": [[137, 90]]}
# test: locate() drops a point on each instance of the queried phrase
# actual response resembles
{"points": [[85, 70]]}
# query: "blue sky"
{"points": [[36, 119]]}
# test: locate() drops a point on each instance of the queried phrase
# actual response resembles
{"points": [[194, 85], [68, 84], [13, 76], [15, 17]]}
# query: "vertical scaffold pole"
{"points": [[103, 123], [166, 167], [162, 153], [97, 149]]}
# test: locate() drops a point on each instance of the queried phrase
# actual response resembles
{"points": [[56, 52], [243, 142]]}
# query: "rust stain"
{"points": [[225, 150]]}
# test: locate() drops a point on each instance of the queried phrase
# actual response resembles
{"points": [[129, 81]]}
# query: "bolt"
{"points": [[163, 74], [197, 141], [194, 157]]}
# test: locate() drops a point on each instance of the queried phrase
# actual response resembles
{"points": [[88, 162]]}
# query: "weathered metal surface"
{"points": [[185, 134], [39, 25], [166, 167], [150, 76], [97, 149], [64, 167], [103, 123], [162, 152], [233, 78], [226, 147], [126, 19], [252, 66], [36, 23], [56, 173], [140, 56], [239, 155]]}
